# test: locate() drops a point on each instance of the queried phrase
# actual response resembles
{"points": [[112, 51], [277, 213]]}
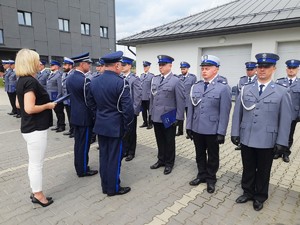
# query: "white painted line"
{"points": [[173, 210]]}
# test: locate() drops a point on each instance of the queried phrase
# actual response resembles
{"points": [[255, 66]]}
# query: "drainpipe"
{"points": [[128, 47]]}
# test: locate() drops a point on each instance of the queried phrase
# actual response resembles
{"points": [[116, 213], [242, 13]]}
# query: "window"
{"points": [[85, 28], [63, 25], [24, 18], [1, 37], [104, 32]]}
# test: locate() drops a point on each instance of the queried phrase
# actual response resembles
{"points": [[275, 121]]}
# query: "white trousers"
{"points": [[36, 147]]}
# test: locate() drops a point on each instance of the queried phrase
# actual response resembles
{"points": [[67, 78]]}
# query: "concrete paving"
{"points": [[155, 198]]}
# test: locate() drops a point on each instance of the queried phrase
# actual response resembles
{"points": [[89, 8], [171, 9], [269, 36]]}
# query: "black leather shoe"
{"points": [[143, 125], [210, 188], [168, 170], [71, 135], [243, 199], [150, 127], [179, 133], [156, 165], [129, 158], [122, 191], [197, 181], [238, 147], [67, 133], [48, 198], [11, 113], [276, 156], [36, 201], [89, 173], [60, 129], [257, 205], [54, 128], [18, 116], [285, 158]]}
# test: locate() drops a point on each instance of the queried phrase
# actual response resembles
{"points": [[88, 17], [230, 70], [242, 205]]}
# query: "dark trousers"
{"points": [[180, 123], [145, 112], [12, 100], [257, 164], [60, 115], [207, 156], [68, 110], [165, 139], [292, 131], [110, 163], [129, 146], [82, 138]]}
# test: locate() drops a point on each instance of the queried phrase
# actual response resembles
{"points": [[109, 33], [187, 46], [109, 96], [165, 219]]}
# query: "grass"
{"points": [[1, 82]]}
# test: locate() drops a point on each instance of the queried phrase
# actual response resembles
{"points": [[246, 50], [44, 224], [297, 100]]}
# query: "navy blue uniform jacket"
{"points": [[109, 96], [81, 115]]}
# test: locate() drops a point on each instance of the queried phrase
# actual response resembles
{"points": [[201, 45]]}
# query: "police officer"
{"points": [[10, 80], [54, 89], [146, 78], [261, 123], [207, 120], [109, 95], [188, 80], [99, 68], [42, 76], [251, 69], [293, 83], [81, 115], [135, 86], [167, 94], [68, 70]]}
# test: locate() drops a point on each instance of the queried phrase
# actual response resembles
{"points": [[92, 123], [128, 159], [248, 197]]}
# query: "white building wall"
{"points": [[191, 50]]}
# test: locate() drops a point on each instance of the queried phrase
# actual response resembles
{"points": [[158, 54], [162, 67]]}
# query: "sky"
{"points": [[134, 16]]}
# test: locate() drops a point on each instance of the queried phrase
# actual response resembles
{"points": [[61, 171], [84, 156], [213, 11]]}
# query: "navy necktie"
{"points": [[290, 82], [205, 85], [249, 79], [162, 79], [261, 89]]}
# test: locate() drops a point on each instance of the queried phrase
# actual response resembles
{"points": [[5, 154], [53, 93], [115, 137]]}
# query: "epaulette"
{"points": [[222, 81], [282, 78], [199, 81], [156, 75], [252, 82], [176, 75], [243, 76], [222, 77], [283, 85]]}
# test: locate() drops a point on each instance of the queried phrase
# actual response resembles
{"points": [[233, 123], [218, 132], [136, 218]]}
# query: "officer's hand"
{"points": [[280, 149], [175, 123], [190, 134], [220, 139], [235, 140]]}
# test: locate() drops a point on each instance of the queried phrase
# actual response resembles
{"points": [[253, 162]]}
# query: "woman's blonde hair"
{"points": [[27, 62]]}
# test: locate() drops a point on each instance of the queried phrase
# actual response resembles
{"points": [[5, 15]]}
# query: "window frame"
{"points": [[24, 18], [83, 29], [1, 37], [63, 25], [103, 32]]}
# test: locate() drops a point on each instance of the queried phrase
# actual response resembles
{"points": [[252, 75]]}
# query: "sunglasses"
{"points": [[292, 67], [249, 69]]}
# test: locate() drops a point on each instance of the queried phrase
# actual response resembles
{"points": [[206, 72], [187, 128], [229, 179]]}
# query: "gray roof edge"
{"points": [[245, 28]]}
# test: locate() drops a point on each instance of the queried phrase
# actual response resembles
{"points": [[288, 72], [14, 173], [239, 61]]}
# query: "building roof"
{"points": [[235, 17]]}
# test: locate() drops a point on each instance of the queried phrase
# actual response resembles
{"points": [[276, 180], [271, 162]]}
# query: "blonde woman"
{"points": [[36, 118]]}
